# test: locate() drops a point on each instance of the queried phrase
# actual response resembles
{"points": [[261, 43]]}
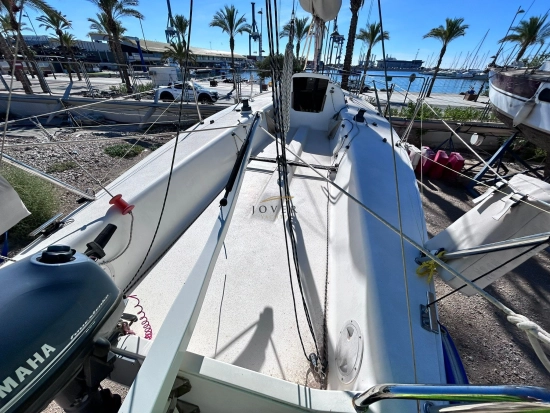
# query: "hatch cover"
{"points": [[349, 352]]}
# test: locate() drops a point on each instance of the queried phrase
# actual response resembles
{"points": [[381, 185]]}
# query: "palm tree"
{"points": [[6, 27], [56, 22], [453, 30], [69, 42], [529, 32], [181, 24], [301, 30], [12, 9], [178, 52], [228, 20], [371, 36], [113, 11], [355, 5], [99, 27]]}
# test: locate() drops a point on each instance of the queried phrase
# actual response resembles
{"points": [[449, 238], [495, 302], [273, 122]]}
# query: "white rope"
{"points": [[286, 84], [533, 330], [7, 258], [535, 334]]}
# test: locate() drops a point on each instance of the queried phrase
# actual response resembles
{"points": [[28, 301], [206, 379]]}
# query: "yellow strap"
{"points": [[429, 268]]}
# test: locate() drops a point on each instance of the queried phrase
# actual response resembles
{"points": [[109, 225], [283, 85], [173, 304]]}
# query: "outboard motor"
{"points": [[58, 316]]}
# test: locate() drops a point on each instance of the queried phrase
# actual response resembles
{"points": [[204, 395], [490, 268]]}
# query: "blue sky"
{"points": [[406, 21]]}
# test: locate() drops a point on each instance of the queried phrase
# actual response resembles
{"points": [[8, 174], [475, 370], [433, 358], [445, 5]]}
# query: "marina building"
{"points": [[97, 50]]}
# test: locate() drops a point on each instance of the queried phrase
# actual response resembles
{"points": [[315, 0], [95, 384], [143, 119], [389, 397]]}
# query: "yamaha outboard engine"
{"points": [[58, 315]]}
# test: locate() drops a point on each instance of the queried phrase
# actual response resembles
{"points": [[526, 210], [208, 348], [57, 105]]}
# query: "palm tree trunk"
{"points": [[231, 47], [30, 58], [349, 47], [441, 54], [113, 51], [521, 52], [298, 49], [19, 73], [66, 58], [77, 69], [123, 68], [367, 60]]}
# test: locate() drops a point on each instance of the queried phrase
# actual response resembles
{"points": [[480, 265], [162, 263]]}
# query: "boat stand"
{"points": [[495, 162], [448, 144]]}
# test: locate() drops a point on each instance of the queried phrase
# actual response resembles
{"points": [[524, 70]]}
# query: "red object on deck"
{"points": [[440, 161], [426, 162], [456, 163], [121, 204]]}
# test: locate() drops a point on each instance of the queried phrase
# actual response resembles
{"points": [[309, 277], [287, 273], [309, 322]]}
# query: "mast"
{"points": [[170, 31]]}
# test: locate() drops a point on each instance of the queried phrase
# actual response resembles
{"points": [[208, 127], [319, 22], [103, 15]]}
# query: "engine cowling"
{"points": [[53, 305]]}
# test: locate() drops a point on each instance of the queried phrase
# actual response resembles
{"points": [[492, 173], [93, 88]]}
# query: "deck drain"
{"points": [[349, 352]]}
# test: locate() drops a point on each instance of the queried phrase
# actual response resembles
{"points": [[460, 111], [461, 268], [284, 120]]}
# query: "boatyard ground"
{"points": [[493, 350]]}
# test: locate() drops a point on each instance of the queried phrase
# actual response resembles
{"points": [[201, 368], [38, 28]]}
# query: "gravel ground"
{"points": [[493, 350], [32, 148]]}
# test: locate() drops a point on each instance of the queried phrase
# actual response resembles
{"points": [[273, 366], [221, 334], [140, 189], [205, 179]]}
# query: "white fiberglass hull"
{"points": [[245, 347], [523, 101], [113, 110], [234, 332]]}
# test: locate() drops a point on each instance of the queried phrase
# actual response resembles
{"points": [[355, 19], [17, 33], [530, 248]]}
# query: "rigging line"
{"points": [[325, 326], [398, 198], [497, 176], [411, 241], [11, 85], [487, 186], [137, 277], [122, 138], [422, 169], [466, 144], [283, 175], [65, 109], [279, 167], [119, 160], [485, 274], [51, 137]]}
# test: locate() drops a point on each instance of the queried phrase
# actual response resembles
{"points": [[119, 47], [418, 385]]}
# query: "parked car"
{"points": [[173, 92]]}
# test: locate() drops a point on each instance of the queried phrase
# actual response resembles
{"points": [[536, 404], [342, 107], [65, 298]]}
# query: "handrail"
{"points": [[451, 393]]}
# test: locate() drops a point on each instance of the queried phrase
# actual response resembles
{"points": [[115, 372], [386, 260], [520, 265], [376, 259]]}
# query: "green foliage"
{"points": [[264, 66], [39, 197], [528, 32], [179, 53], [61, 166], [123, 150], [459, 114], [181, 24], [139, 88], [537, 61], [453, 29], [301, 27]]}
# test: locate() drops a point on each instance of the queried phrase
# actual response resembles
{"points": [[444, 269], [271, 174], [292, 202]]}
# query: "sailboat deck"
{"points": [[248, 318]]}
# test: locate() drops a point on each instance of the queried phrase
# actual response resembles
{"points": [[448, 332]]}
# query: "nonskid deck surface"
{"points": [[248, 317]]}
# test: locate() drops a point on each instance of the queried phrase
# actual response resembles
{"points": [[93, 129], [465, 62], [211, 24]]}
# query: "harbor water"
{"points": [[399, 78]]}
